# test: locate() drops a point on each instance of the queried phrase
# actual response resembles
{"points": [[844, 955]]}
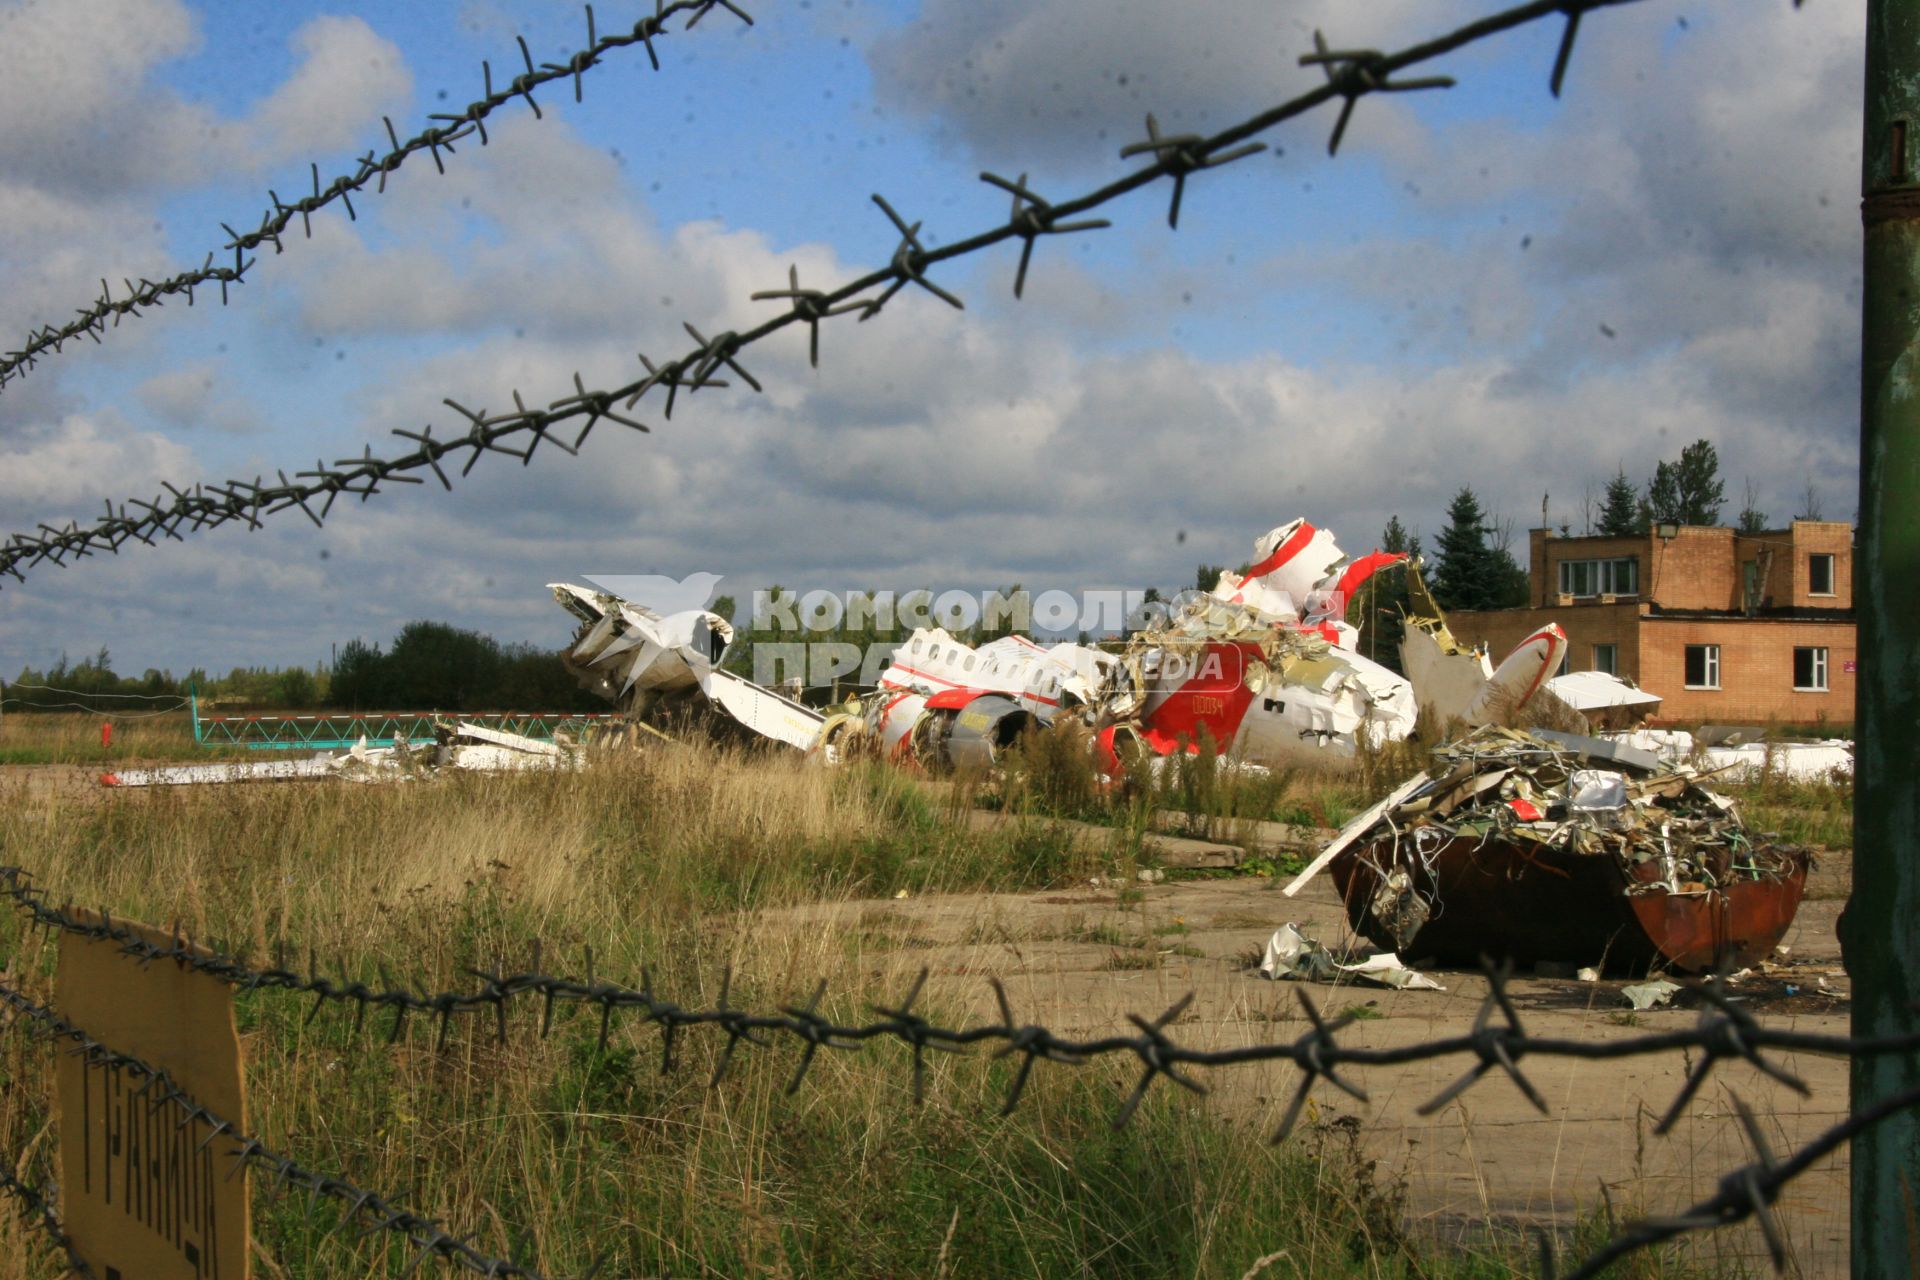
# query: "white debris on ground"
{"points": [[468, 747], [1293, 955], [1824, 760]]}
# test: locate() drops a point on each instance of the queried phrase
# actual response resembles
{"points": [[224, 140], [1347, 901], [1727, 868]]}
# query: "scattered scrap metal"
{"points": [[1263, 666], [1544, 846], [458, 745]]}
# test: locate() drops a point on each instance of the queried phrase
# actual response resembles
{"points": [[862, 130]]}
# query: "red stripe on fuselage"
{"points": [[954, 684], [1555, 638], [1287, 550], [1205, 702], [1365, 567]]}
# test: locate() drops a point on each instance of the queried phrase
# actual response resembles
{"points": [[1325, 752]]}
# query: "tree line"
{"points": [[98, 686], [429, 666]]}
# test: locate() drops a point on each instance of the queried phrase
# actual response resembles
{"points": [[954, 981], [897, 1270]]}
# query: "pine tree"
{"points": [[1378, 608], [1466, 573], [1618, 516]]}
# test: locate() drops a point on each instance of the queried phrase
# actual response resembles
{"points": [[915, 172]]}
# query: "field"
{"points": [[35, 738], [686, 863]]}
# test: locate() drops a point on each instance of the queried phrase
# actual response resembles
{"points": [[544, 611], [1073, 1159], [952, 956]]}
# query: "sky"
{"points": [[1487, 287]]}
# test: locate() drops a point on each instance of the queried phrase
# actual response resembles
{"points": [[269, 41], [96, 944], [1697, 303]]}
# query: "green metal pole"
{"points": [[1880, 931]]}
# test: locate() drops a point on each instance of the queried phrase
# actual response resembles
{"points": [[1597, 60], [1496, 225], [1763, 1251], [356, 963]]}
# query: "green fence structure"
{"points": [[379, 728]]}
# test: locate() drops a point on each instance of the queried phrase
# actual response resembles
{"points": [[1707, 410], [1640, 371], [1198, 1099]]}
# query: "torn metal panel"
{"points": [[1447, 675], [645, 664], [1823, 760], [189, 775], [764, 712], [1554, 847], [1289, 577], [1292, 954], [1517, 681], [464, 746], [624, 649], [1458, 681], [1264, 668], [1587, 691]]}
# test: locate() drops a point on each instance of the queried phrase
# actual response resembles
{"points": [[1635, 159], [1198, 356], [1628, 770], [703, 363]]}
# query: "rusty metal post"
{"points": [[1880, 932]]}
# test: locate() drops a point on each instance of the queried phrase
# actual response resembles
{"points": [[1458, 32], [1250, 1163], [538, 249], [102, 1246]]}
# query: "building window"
{"points": [[1606, 657], [1820, 575], [1584, 579], [1810, 669], [1703, 666]]}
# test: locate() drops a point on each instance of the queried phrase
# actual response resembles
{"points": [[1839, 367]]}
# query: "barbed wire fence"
{"points": [[1497, 1041], [112, 704], [93, 320], [1350, 75]]}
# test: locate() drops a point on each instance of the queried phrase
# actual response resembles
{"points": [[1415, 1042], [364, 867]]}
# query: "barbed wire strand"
{"points": [[177, 703], [1725, 1030], [92, 320], [82, 693], [369, 1210], [24, 705], [1351, 74], [36, 1207], [1747, 1192], [1498, 1040]]}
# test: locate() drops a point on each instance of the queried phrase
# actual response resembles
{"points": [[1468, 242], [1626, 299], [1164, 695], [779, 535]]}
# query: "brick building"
{"points": [[1726, 627]]}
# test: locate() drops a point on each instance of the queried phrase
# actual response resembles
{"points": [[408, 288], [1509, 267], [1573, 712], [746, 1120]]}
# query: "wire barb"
{"points": [[1354, 73], [1180, 155], [1350, 75], [370, 167], [1032, 218]]}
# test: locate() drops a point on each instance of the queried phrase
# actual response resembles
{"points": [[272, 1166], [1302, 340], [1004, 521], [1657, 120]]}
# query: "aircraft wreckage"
{"points": [[1545, 846], [1263, 667], [1529, 844]]}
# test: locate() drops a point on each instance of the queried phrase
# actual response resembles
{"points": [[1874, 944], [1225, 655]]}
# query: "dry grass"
{"points": [[685, 862], [71, 737]]}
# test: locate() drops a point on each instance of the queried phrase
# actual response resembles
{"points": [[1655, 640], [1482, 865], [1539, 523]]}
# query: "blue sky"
{"points": [[1486, 287]]}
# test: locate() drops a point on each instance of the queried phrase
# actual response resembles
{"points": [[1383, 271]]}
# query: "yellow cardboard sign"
{"points": [[144, 1197]]}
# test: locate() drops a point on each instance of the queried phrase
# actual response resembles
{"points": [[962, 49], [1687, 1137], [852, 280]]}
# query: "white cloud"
{"points": [[80, 458], [1001, 443], [347, 77], [1067, 82]]}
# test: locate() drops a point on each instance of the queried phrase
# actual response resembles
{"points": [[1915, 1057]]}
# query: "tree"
{"points": [[294, 689], [1619, 513], [1751, 519], [434, 665], [1688, 491], [1379, 607], [358, 682], [1810, 508], [1466, 572]]}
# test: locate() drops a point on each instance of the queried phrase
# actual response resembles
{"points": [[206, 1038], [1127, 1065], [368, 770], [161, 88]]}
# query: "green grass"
{"points": [[1815, 813], [684, 863]]}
